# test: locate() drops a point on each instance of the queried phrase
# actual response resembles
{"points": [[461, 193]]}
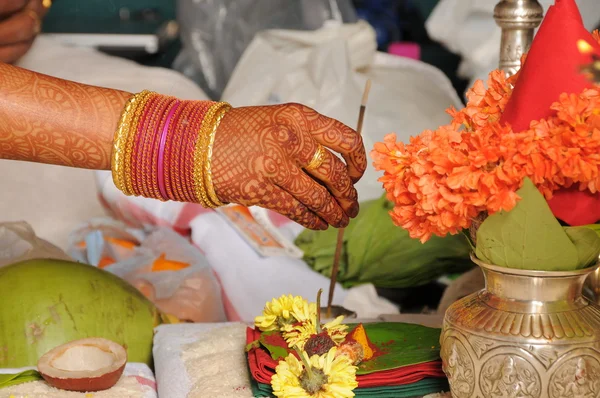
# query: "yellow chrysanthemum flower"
{"points": [[325, 377], [280, 312], [304, 311], [336, 329], [297, 334]]}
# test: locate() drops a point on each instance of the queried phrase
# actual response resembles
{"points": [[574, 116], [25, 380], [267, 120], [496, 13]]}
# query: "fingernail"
{"points": [[354, 209]]}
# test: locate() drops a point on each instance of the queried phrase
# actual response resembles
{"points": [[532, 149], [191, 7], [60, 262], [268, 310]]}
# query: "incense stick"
{"points": [[340, 236]]}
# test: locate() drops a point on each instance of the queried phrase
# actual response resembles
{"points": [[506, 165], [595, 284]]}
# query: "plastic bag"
{"points": [[161, 264], [215, 33], [327, 70], [18, 242]]}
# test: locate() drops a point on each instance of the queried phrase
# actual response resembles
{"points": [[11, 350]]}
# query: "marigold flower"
{"points": [[441, 180]]}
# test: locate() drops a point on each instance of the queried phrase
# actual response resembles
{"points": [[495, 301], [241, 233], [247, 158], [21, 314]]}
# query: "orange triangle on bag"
{"points": [[164, 264]]}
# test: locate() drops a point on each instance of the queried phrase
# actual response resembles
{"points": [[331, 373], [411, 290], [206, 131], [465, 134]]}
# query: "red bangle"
{"points": [[175, 161], [152, 174], [135, 159], [161, 152]]}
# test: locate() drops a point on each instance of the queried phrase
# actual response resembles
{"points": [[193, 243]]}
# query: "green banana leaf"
{"points": [[397, 345], [9, 380], [377, 251]]}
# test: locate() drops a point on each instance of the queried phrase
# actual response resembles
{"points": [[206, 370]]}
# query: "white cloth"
{"points": [[250, 280], [53, 199], [468, 28]]}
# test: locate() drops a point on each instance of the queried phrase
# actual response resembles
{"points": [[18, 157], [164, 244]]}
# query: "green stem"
{"points": [[318, 324], [306, 364]]}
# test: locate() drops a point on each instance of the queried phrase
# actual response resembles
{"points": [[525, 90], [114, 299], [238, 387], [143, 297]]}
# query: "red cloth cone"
{"points": [[552, 68]]}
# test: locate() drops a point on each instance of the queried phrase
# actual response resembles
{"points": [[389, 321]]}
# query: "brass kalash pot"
{"points": [[527, 334], [594, 284]]}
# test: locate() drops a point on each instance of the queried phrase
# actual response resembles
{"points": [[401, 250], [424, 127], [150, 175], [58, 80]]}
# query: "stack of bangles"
{"points": [[163, 147]]}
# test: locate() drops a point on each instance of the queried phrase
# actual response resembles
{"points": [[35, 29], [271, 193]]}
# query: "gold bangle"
{"points": [[47, 3], [210, 188], [119, 140], [200, 155], [137, 109]]}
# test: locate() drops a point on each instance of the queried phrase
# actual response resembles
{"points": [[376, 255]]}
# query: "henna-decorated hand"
{"points": [[20, 22], [260, 156]]}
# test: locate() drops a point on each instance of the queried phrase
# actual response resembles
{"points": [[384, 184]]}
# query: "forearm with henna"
{"points": [[279, 157], [48, 120]]}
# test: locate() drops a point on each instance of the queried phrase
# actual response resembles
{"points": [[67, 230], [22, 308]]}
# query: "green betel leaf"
{"points": [[587, 243], [593, 227], [275, 344], [527, 237], [398, 345]]}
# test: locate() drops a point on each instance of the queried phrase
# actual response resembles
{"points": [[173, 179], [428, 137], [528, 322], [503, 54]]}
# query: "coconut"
{"points": [[84, 365], [47, 303]]}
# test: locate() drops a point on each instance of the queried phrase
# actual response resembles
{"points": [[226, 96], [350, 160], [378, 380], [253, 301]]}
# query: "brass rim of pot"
{"points": [[524, 272]]}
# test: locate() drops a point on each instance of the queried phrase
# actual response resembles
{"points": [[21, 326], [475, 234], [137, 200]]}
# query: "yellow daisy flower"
{"points": [[322, 376], [336, 329], [297, 334], [280, 312], [304, 311]]}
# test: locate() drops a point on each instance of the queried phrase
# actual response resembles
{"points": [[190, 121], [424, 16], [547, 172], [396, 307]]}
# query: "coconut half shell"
{"points": [[85, 365]]}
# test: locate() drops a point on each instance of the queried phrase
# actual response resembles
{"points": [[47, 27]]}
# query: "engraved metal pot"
{"points": [[528, 334], [594, 284]]}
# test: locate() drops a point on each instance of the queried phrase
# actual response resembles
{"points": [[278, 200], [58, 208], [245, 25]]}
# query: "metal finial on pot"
{"points": [[518, 20]]}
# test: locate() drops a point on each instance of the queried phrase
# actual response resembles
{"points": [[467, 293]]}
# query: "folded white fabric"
{"points": [[137, 382], [88, 66]]}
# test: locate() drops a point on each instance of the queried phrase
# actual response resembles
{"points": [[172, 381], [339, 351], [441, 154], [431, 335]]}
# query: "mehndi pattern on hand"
{"points": [[260, 155]]}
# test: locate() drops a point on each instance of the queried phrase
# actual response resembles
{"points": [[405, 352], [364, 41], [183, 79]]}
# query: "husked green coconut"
{"points": [[46, 303]]}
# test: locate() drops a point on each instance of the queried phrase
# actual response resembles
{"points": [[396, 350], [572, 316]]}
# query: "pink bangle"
{"points": [[161, 152]]}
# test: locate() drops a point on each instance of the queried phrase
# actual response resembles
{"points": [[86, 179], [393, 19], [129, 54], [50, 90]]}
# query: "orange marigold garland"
{"points": [[444, 179]]}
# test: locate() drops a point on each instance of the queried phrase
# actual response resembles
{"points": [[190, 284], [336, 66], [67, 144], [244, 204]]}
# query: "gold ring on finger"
{"points": [[36, 19], [47, 3], [317, 159]]}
